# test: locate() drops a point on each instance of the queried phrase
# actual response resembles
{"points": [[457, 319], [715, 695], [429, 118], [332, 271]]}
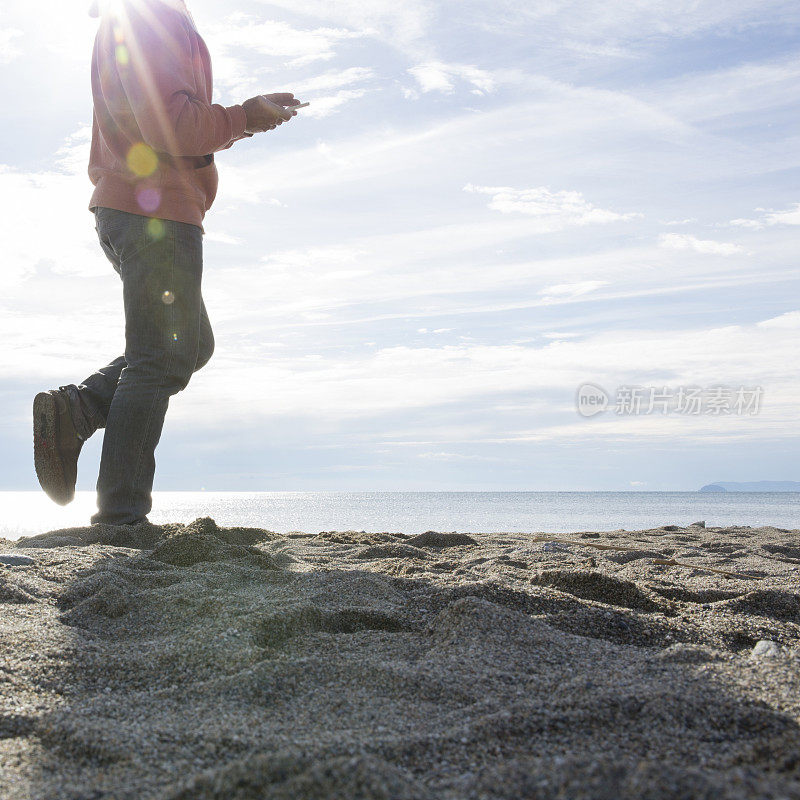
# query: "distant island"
{"points": [[752, 486]]}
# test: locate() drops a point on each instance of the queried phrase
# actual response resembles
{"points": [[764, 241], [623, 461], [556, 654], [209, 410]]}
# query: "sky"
{"points": [[487, 205]]}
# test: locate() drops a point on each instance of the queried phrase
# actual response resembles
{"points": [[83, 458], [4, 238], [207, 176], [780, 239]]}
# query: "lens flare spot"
{"points": [[168, 299], [119, 36], [142, 160], [174, 337], [149, 199], [122, 55], [155, 229]]}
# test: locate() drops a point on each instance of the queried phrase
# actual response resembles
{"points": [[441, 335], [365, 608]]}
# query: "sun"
{"points": [[98, 7]]}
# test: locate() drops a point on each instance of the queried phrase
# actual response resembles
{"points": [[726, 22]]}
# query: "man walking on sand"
{"points": [[154, 135]]}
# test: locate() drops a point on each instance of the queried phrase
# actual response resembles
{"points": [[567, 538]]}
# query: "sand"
{"points": [[180, 662]]}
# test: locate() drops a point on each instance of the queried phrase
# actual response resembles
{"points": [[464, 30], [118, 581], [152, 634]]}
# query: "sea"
{"points": [[30, 513]]}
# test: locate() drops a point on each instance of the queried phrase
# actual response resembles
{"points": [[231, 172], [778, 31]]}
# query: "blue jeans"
{"points": [[167, 337]]}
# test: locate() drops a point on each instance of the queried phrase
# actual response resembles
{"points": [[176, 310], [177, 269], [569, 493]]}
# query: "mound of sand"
{"points": [[179, 662]]}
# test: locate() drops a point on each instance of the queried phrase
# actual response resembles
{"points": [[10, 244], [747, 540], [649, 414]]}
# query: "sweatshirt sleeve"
{"points": [[159, 80]]}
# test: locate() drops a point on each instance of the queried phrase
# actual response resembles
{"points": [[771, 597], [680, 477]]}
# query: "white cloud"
{"points": [[559, 208], [222, 238], [592, 50], [679, 241], [333, 79], [60, 293], [687, 221], [245, 51], [454, 270], [392, 379], [371, 237], [431, 78], [587, 27], [327, 105], [749, 88], [609, 24], [755, 224], [788, 321], [440, 77], [445, 456], [403, 25], [569, 291], [548, 135], [336, 256], [57, 35], [790, 216], [9, 47], [73, 156], [60, 196], [276, 38]]}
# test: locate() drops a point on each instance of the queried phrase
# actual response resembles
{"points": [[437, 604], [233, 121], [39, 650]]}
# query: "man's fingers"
{"points": [[277, 108], [284, 98], [265, 112]]}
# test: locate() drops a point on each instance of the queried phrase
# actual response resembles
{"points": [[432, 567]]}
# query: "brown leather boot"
{"points": [[56, 445]]}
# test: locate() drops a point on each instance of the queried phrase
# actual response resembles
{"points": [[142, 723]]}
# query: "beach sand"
{"points": [[197, 662]]}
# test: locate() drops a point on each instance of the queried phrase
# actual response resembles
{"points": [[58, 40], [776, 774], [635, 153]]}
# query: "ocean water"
{"points": [[29, 513]]}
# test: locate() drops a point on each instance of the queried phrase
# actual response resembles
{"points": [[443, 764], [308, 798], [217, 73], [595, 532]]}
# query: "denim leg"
{"points": [[206, 347], [161, 266], [94, 396], [91, 399]]}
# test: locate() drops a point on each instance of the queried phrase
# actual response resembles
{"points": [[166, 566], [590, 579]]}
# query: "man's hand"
{"points": [[266, 111]]}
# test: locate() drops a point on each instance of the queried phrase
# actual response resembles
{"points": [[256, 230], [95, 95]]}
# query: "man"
{"points": [[154, 135]]}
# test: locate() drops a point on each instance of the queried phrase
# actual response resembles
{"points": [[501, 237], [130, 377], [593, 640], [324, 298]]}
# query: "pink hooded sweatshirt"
{"points": [[155, 129]]}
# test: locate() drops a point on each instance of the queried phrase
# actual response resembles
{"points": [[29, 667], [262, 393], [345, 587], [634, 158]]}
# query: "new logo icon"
{"points": [[591, 399]]}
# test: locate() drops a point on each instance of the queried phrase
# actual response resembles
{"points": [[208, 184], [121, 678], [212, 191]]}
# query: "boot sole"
{"points": [[46, 458]]}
